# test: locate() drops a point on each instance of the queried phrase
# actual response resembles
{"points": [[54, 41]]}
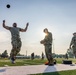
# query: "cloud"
{"points": [[4, 36]]}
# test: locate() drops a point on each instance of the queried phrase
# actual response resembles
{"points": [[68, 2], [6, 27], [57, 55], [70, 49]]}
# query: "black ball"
{"points": [[8, 6]]}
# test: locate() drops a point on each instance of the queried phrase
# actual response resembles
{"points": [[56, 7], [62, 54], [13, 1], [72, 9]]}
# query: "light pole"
{"points": [[53, 46], [26, 53]]}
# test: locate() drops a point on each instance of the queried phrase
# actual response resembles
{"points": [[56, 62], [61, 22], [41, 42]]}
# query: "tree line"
{"points": [[68, 54]]}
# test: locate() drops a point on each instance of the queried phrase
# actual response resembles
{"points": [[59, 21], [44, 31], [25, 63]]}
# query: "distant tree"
{"points": [[4, 54], [59, 55], [66, 56], [54, 55], [37, 56]]}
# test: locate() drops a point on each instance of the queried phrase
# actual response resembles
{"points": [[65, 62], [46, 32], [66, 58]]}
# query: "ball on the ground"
{"points": [[8, 5]]}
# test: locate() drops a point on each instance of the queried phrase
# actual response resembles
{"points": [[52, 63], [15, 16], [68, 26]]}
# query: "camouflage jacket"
{"points": [[73, 41], [48, 38]]}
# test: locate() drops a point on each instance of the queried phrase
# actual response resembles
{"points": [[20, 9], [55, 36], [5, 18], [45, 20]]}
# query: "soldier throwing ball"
{"points": [[16, 41], [47, 41]]}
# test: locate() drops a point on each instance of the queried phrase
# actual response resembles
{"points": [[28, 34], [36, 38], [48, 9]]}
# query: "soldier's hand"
{"points": [[27, 24], [3, 21], [42, 42]]}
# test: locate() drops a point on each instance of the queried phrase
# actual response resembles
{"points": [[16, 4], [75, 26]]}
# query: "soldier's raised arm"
{"points": [[6, 27], [24, 30]]}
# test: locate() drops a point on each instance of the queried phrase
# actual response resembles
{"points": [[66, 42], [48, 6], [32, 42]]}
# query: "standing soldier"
{"points": [[42, 56], [32, 56], [16, 41], [47, 41], [73, 44]]}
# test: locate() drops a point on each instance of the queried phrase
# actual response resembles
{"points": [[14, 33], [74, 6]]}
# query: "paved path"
{"points": [[25, 70]]}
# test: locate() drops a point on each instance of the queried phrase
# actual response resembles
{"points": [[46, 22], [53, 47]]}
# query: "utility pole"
{"points": [[53, 46], [26, 53]]}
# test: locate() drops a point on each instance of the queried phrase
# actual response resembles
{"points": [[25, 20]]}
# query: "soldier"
{"points": [[16, 41], [42, 56], [32, 56], [73, 44], [47, 41], [66, 56]]}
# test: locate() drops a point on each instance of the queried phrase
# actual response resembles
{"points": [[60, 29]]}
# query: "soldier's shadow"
{"points": [[2, 70], [50, 69]]}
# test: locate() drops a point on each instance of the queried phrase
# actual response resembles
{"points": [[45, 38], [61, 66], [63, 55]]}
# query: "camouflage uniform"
{"points": [[48, 47], [73, 43], [16, 42]]}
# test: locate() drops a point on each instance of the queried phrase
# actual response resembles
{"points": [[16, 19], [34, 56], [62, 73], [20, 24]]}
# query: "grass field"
{"points": [[22, 62]]}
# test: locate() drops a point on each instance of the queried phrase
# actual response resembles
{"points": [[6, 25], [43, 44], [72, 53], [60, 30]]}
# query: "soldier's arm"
{"points": [[6, 27], [24, 30], [43, 41], [72, 41], [48, 39]]}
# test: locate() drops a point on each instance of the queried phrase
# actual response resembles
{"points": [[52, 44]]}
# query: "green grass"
{"points": [[22, 62], [69, 72]]}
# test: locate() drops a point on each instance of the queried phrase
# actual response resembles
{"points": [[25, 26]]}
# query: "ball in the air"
{"points": [[8, 6]]}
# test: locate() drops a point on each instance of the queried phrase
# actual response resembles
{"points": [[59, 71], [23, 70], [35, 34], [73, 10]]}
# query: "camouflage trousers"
{"points": [[16, 46], [48, 52], [74, 50]]}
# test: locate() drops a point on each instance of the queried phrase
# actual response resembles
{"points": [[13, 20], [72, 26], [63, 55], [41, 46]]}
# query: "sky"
{"points": [[59, 16]]}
